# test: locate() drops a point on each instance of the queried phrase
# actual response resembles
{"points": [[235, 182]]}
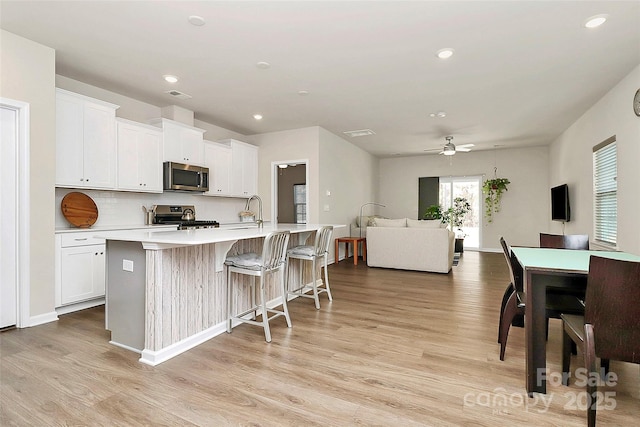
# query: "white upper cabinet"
{"points": [[139, 157], [217, 157], [85, 141], [244, 168], [182, 143]]}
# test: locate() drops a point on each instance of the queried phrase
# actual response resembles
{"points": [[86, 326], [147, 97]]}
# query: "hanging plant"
{"points": [[493, 189]]}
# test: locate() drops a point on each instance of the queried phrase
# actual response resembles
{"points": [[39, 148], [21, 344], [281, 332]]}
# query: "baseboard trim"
{"points": [[65, 309], [41, 319], [153, 358]]}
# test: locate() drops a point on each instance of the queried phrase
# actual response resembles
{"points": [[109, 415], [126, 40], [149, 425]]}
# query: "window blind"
{"points": [[605, 192]]}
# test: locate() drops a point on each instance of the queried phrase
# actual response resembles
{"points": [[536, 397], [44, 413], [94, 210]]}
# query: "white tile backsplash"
{"points": [[125, 208]]}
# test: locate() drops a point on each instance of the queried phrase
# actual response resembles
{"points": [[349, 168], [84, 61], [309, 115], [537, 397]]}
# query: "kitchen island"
{"points": [[166, 290]]}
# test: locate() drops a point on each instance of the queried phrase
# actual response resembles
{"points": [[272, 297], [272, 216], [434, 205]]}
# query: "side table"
{"points": [[354, 241]]}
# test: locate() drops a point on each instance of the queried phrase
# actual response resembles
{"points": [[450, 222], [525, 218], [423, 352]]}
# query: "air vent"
{"points": [[178, 94], [361, 132]]}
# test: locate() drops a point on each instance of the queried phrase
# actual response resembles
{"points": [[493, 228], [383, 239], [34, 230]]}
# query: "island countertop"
{"points": [[159, 239]]}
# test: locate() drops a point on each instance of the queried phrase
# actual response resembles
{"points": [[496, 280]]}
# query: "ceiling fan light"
{"points": [[448, 151], [595, 21]]}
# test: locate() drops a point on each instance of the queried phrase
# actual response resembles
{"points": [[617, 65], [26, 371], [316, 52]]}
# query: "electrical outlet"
{"points": [[127, 265], [326, 208]]}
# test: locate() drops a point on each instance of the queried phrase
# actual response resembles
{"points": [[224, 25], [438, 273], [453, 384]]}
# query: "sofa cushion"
{"points": [[382, 222], [367, 220], [427, 223]]}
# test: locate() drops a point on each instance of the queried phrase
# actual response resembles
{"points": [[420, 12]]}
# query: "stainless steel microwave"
{"points": [[181, 177]]}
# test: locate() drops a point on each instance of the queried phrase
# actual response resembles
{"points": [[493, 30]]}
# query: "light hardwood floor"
{"points": [[395, 348]]}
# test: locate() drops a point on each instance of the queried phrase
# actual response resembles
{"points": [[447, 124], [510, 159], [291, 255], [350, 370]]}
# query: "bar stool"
{"points": [[320, 250], [271, 261]]}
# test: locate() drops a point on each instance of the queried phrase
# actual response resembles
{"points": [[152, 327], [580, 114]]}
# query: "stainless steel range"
{"points": [[183, 216]]}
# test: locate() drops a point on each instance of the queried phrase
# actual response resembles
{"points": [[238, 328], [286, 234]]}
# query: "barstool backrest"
{"points": [[274, 250], [323, 239]]}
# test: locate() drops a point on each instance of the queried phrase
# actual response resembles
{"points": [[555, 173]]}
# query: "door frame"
{"points": [[22, 248], [274, 184]]}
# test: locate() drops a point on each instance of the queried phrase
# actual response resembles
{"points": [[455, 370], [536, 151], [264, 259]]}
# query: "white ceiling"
{"points": [[522, 71]]}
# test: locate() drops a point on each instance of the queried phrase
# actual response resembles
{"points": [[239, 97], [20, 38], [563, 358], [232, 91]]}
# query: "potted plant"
{"points": [[493, 189], [455, 215], [433, 212]]}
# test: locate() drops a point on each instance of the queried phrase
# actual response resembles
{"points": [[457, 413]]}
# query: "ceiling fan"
{"points": [[450, 149]]}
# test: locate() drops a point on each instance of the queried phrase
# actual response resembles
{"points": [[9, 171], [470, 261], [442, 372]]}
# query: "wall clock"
{"points": [[636, 103]]}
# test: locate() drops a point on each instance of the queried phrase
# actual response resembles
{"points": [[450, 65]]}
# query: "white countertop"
{"points": [[71, 229], [166, 239]]}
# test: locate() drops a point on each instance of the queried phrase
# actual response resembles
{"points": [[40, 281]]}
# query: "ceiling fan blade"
{"points": [[463, 149], [465, 145]]}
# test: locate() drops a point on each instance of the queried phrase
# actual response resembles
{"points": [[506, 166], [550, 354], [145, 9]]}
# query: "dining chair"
{"points": [[318, 252], [514, 298], [609, 329], [271, 261], [564, 241]]}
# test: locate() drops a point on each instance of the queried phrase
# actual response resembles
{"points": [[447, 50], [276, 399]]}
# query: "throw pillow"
{"points": [[428, 223], [382, 222]]}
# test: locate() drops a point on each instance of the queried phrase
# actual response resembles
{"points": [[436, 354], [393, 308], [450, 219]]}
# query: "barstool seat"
{"points": [[319, 251], [272, 260]]}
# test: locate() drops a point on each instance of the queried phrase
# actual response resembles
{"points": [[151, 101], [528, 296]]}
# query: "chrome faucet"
{"points": [[246, 208]]}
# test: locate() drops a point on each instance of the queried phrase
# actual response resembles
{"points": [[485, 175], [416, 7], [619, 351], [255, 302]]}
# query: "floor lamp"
{"points": [[362, 207]]}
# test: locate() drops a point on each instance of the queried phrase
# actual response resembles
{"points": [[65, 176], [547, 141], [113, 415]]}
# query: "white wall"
{"points": [[571, 162], [525, 206], [27, 74], [287, 147], [349, 174]]}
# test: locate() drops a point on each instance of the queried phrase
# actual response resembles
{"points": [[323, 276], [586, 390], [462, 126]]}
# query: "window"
{"points": [[300, 203], [605, 191]]}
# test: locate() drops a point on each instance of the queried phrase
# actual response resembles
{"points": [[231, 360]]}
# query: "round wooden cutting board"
{"points": [[79, 209]]}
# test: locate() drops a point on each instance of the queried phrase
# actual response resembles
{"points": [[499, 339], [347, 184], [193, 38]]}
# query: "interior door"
{"points": [[8, 204], [287, 206]]}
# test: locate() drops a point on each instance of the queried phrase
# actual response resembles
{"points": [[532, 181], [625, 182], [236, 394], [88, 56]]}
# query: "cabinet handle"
{"points": [[81, 179], [79, 240]]}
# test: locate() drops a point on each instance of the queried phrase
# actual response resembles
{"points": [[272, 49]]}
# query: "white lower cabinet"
{"points": [[80, 267], [82, 273]]}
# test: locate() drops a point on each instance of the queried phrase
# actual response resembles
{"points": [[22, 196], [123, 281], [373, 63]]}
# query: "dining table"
{"points": [[546, 268]]}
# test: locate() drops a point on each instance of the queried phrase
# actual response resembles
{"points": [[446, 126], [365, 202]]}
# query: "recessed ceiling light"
{"points": [[445, 53], [439, 114], [257, 116], [263, 65], [303, 92], [595, 21], [170, 78], [196, 20]]}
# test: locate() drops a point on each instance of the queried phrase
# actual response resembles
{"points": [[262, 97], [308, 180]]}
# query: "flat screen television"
{"points": [[560, 208]]}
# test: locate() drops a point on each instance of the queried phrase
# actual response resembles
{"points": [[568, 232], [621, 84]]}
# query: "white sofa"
{"points": [[421, 246]]}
